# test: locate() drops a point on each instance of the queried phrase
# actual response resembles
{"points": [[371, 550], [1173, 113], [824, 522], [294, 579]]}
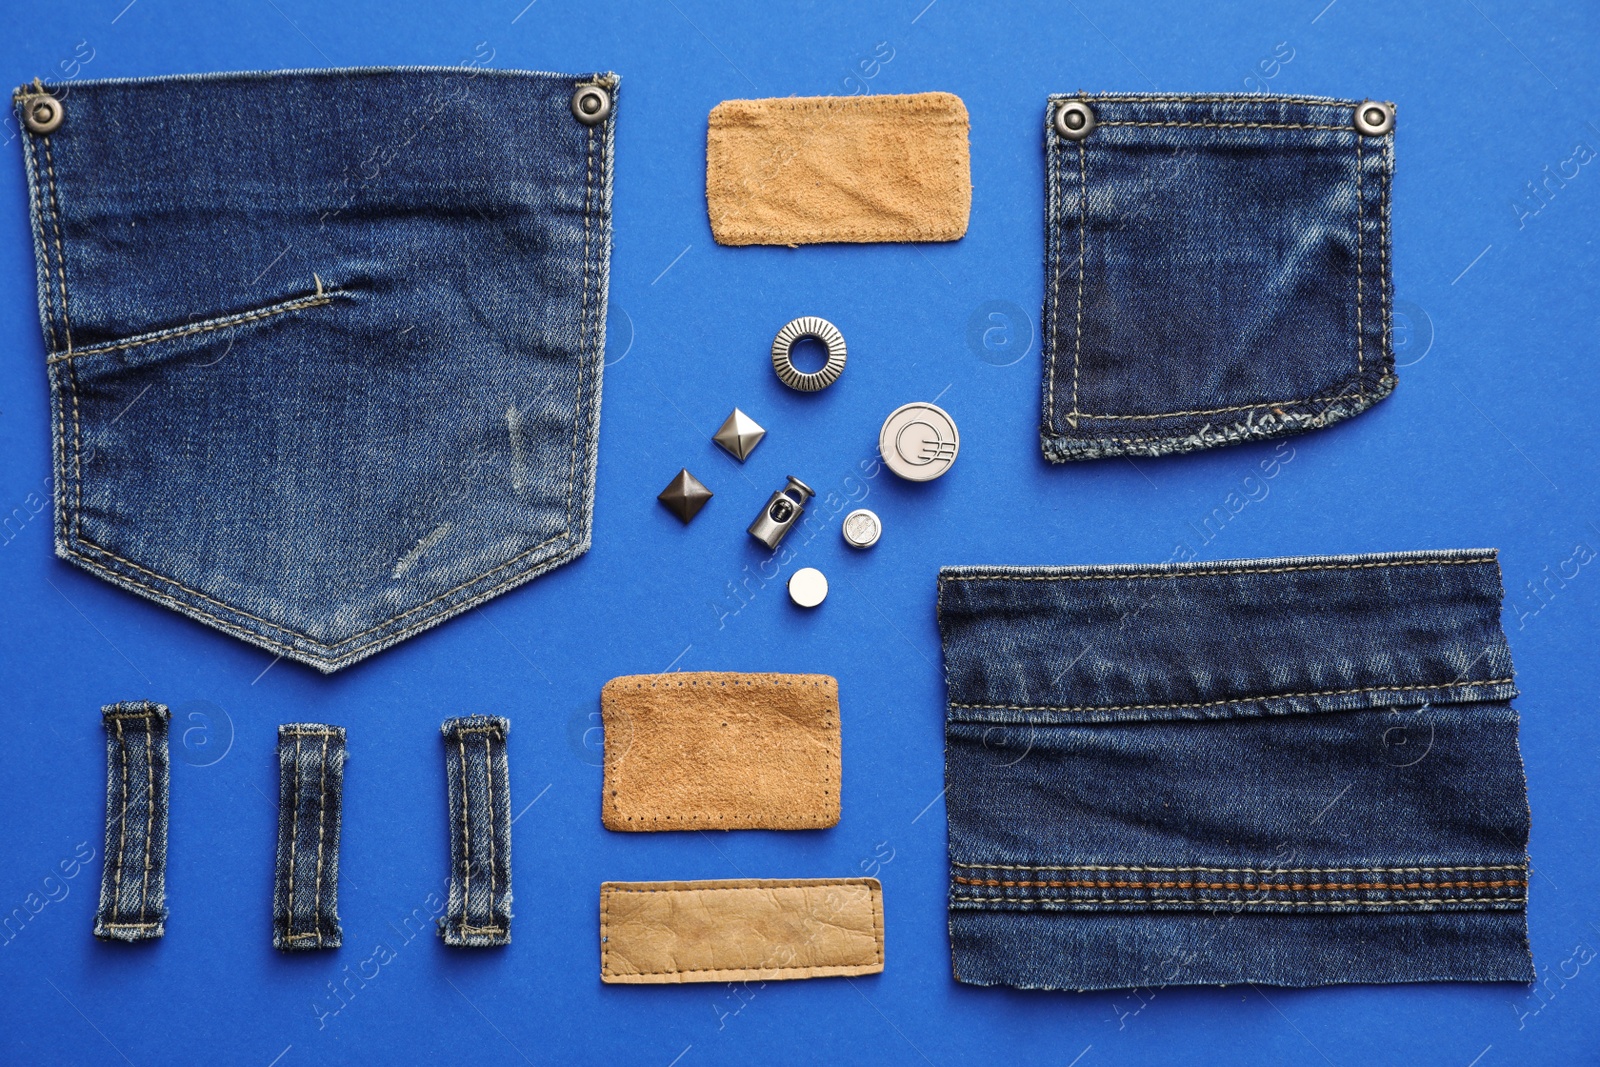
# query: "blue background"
{"points": [[1489, 441]]}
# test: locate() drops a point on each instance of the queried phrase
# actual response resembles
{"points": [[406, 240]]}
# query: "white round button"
{"points": [[808, 587]]}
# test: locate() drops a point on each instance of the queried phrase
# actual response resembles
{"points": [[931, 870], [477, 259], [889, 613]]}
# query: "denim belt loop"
{"points": [[305, 897], [133, 882], [478, 914]]}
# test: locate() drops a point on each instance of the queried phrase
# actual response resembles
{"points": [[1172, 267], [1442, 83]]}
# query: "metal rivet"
{"points": [[1374, 118], [1074, 119], [861, 528], [819, 330], [42, 113], [591, 104]]}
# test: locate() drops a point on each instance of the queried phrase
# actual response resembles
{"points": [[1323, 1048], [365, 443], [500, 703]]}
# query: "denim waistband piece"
{"points": [[305, 896], [478, 913], [133, 882], [1290, 772], [1216, 270], [324, 347]]}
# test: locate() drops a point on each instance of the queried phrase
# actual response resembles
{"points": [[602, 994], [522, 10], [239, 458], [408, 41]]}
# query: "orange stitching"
{"points": [[1275, 886], [220, 324], [1230, 700]]}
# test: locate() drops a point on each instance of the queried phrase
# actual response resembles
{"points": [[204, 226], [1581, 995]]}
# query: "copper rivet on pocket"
{"points": [[591, 104], [1374, 118], [42, 113], [1074, 120]]}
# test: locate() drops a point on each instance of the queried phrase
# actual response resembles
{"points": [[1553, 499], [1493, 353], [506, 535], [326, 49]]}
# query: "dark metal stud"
{"points": [[684, 496], [591, 104], [1074, 119]]}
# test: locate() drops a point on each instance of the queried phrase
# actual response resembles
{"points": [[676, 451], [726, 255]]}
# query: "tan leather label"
{"points": [[808, 170], [741, 929], [720, 751]]}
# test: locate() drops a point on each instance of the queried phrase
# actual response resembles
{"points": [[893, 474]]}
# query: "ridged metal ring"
{"points": [[818, 329]]}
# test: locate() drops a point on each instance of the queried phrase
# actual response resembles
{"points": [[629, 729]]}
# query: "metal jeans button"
{"points": [[1074, 119], [42, 113], [591, 104], [1374, 118]]}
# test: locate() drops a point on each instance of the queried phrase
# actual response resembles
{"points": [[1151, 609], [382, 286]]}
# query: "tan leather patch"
{"points": [[714, 750], [808, 170], [747, 928]]}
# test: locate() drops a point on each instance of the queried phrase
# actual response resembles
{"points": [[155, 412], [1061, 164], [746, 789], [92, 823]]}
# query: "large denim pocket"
{"points": [[1216, 270], [324, 347], [1293, 772]]}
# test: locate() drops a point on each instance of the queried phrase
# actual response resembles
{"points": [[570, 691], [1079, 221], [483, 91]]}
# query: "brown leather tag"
{"points": [[762, 929], [809, 170], [721, 751]]}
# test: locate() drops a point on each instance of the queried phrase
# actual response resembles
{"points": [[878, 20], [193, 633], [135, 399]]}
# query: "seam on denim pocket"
{"points": [[1231, 870], [1174, 575], [1231, 700], [1480, 903], [227, 624], [317, 299]]}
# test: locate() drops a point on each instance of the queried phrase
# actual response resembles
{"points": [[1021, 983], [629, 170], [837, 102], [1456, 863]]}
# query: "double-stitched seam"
{"points": [[1217, 411], [1069, 902], [1232, 700], [1252, 100], [322, 811], [1241, 431], [1083, 224], [1053, 224], [39, 196], [294, 832], [1275, 887], [1259, 871], [167, 598], [150, 813], [1384, 279], [122, 839], [1233, 125], [66, 322], [1361, 225], [297, 304], [488, 770], [466, 837], [1217, 572]]}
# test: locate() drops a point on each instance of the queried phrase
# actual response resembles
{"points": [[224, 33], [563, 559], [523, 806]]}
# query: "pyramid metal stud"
{"points": [[684, 496], [739, 435]]}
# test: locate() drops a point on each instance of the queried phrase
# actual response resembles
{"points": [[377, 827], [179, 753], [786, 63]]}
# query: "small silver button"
{"points": [[1074, 119], [42, 113], [861, 528], [591, 104], [808, 587], [1374, 118]]}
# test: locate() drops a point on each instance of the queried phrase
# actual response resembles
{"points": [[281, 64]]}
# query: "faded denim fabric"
{"points": [[324, 346], [133, 882], [479, 910], [1291, 772], [305, 895], [1216, 270]]}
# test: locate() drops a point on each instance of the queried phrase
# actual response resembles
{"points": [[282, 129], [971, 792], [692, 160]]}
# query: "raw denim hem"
{"points": [[1261, 423]]}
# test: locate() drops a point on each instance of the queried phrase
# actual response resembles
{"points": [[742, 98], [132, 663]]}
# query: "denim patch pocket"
{"points": [[1291, 772], [324, 347], [1216, 270]]}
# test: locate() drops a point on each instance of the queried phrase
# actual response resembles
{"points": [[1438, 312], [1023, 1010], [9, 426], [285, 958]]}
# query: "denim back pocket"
{"points": [[1292, 772], [324, 347], [1216, 270]]}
